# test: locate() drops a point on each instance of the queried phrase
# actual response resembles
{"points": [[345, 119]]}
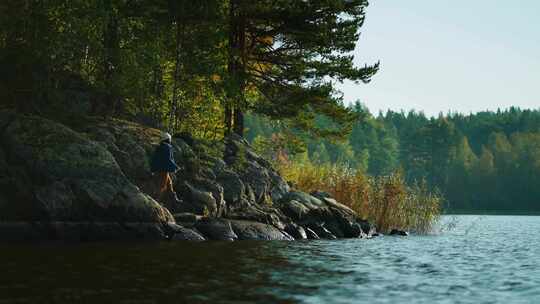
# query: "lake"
{"points": [[474, 259]]}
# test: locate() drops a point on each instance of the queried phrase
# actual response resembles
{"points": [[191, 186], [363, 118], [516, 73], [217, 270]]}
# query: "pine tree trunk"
{"points": [[228, 120], [174, 98], [231, 67], [239, 113], [111, 101], [234, 116], [239, 122]]}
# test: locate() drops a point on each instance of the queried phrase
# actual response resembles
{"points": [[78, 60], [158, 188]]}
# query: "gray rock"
{"points": [[334, 226], [61, 175], [186, 218], [367, 228], [322, 232], [216, 229], [234, 189], [258, 179], [195, 200], [204, 197], [398, 232], [295, 209], [262, 214], [258, 231], [278, 186], [146, 231], [311, 210], [180, 233], [131, 144], [296, 231], [307, 200], [311, 234]]}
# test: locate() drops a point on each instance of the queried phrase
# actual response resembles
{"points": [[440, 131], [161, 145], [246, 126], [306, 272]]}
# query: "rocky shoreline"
{"points": [[89, 179]]}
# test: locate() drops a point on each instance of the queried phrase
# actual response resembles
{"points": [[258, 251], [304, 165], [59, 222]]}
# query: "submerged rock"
{"points": [[367, 228], [398, 232]]}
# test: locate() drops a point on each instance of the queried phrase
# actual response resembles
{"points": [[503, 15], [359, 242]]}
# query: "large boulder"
{"points": [[131, 145], [202, 197], [52, 173], [254, 171], [235, 193]]}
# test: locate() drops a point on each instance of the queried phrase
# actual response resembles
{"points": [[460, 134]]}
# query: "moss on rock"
{"points": [[64, 176]]}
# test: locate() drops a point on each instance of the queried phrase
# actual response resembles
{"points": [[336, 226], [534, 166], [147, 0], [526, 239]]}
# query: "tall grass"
{"points": [[386, 200]]}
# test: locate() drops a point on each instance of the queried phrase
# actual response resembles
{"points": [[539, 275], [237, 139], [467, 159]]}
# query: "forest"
{"points": [[266, 70], [184, 66], [487, 161]]}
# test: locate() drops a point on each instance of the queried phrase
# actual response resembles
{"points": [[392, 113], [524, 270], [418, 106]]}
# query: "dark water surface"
{"points": [[484, 259]]}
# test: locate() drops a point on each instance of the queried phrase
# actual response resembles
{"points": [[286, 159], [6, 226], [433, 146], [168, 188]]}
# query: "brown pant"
{"points": [[165, 183]]}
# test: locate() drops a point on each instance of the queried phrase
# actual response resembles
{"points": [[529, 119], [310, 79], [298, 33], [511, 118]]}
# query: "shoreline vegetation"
{"points": [[386, 201]]}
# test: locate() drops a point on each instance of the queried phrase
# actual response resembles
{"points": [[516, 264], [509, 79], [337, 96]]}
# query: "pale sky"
{"points": [[450, 55]]}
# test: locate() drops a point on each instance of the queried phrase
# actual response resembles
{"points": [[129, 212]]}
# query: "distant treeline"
{"points": [[482, 161]]}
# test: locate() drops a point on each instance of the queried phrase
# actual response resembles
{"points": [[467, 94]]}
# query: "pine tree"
{"points": [[280, 55]]}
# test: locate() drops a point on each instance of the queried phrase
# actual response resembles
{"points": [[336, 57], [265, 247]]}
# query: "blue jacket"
{"points": [[162, 160]]}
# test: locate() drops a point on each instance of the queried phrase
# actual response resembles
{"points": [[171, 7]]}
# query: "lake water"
{"points": [[483, 259]]}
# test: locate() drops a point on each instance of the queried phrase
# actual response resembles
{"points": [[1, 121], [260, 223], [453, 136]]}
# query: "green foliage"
{"points": [[193, 66], [282, 54]]}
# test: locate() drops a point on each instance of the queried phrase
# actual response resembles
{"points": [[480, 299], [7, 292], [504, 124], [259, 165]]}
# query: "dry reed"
{"points": [[386, 200]]}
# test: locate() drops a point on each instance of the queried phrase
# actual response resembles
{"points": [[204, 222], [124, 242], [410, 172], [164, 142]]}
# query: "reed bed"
{"points": [[386, 201]]}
